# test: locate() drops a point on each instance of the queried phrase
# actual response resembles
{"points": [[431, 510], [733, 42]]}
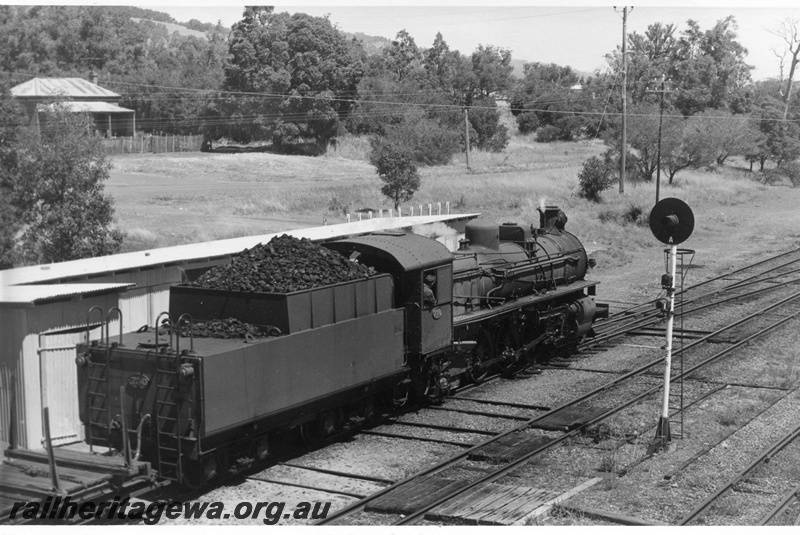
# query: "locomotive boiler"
{"points": [[420, 321]]}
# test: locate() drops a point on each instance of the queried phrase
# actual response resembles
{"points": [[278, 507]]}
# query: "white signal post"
{"points": [[663, 432], [672, 222]]}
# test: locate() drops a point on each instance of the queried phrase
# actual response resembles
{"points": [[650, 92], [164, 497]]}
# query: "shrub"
{"points": [[428, 141], [632, 215], [790, 170], [636, 215], [527, 122], [595, 176], [548, 134], [770, 177]]}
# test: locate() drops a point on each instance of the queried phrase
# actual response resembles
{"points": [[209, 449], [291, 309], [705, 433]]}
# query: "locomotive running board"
{"points": [[484, 314]]}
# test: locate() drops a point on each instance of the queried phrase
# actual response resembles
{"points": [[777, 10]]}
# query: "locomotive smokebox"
{"points": [[551, 217], [483, 233]]}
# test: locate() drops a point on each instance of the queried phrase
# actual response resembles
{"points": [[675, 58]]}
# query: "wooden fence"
{"points": [[147, 143]]}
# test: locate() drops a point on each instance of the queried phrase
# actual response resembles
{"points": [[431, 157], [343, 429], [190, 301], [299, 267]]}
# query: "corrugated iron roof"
{"points": [[64, 87], [202, 251], [34, 294], [83, 106]]}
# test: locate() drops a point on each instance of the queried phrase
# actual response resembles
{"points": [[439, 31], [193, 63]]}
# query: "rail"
{"points": [[493, 476]]}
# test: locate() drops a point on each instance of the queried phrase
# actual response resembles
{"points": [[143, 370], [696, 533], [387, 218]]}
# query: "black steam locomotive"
{"points": [[425, 322]]}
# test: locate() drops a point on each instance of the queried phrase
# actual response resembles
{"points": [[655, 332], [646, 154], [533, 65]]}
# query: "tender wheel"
{"points": [[323, 426], [262, 448], [195, 475]]}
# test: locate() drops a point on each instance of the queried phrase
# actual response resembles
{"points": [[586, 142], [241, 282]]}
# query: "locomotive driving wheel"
{"points": [[507, 342], [483, 352]]}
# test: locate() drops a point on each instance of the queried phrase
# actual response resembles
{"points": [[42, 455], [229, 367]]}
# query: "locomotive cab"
{"points": [[422, 270]]}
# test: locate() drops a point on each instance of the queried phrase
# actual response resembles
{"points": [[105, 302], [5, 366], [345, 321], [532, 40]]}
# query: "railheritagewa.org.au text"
{"points": [[56, 508]]}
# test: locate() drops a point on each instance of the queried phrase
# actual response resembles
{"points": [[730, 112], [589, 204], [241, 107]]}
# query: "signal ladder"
{"points": [[676, 398]]}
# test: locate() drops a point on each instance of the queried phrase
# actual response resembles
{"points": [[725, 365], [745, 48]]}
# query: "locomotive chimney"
{"points": [[551, 217]]}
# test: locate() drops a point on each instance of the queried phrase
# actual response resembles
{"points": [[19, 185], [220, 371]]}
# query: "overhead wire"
{"points": [[374, 109]]}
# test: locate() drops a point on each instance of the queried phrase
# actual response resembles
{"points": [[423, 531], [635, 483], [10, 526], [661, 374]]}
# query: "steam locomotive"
{"points": [[427, 321]]}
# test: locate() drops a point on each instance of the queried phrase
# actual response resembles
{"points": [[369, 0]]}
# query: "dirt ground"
{"points": [[738, 235]]}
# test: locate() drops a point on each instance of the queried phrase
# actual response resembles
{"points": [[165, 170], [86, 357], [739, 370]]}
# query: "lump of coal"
{"points": [[285, 264]]}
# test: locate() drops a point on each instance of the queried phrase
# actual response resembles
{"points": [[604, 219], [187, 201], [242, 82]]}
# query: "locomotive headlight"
{"points": [[82, 360]]}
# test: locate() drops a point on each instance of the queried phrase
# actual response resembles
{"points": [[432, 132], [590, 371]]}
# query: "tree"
{"points": [[300, 75], [439, 63], [695, 148], [12, 122], [492, 68], [781, 139], [649, 56], [402, 56], [545, 93], [486, 132], [396, 168], [727, 133], [708, 70], [55, 185], [643, 138], [791, 36]]}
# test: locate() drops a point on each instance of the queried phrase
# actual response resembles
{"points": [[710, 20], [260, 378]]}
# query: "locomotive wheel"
{"points": [[435, 392], [483, 351], [507, 338]]}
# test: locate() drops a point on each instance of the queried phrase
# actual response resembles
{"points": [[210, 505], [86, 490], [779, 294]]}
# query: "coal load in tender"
{"points": [[227, 328], [285, 264]]}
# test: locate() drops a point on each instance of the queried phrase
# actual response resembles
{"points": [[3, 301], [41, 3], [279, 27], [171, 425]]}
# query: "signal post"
{"points": [[672, 222]]}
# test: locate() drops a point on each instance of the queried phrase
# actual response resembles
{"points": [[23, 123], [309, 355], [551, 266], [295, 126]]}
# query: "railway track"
{"points": [[464, 491], [645, 315], [773, 450]]}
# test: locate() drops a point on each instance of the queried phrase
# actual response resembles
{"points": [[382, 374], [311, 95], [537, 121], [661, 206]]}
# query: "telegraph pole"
{"points": [[660, 123], [624, 101], [466, 133]]}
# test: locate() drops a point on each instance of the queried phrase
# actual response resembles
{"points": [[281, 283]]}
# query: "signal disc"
{"points": [[671, 221]]}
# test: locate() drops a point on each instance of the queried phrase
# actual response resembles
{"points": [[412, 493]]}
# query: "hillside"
{"points": [[172, 28]]}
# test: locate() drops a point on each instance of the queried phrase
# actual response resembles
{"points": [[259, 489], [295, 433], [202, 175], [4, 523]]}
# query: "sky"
{"points": [[578, 34]]}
